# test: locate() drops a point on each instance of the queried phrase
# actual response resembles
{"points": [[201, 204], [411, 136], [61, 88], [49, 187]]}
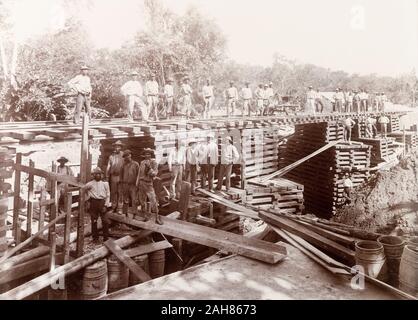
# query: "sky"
{"points": [[357, 36]]}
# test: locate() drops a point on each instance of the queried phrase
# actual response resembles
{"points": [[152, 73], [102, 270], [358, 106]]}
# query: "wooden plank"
{"points": [[67, 229], [139, 273], [148, 248], [24, 257], [30, 203], [309, 235], [42, 209], [54, 206], [16, 198], [222, 240]]}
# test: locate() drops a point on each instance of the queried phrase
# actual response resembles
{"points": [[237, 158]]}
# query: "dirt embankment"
{"points": [[388, 201]]}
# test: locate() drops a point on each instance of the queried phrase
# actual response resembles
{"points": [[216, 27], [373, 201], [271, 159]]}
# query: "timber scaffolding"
{"points": [[264, 153]]}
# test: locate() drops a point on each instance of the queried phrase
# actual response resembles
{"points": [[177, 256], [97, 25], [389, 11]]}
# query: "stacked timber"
{"points": [[322, 176], [382, 148], [359, 130], [410, 139], [282, 195], [6, 172], [394, 123]]}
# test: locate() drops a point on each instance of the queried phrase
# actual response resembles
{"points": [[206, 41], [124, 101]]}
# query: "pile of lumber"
{"points": [[394, 123], [280, 194], [382, 149], [359, 130], [410, 139], [6, 172]]}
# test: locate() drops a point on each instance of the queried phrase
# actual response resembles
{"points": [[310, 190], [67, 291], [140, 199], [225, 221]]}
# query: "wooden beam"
{"points": [[290, 167], [23, 257], [29, 214], [309, 235], [16, 198], [210, 237], [45, 280], [148, 248], [127, 261], [67, 230]]}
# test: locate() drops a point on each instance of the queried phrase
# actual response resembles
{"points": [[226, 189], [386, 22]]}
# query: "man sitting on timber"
{"points": [[348, 126], [98, 193], [129, 181], [148, 170], [348, 185], [64, 170], [113, 172], [229, 156], [384, 121], [176, 161], [208, 159]]}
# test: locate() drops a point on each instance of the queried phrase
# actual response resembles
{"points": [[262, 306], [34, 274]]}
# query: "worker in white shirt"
{"points": [[269, 96], [132, 90], [81, 85], [169, 99], [152, 91], [384, 121], [207, 160], [176, 161], [375, 104], [247, 96], [371, 127], [356, 102], [192, 155], [208, 97], [65, 170], [348, 186], [348, 126], [349, 101], [364, 99], [98, 193], [310, 100], [231, 96], [383, 102], [229, 157], [338, 100], [186, 96], [113, 173], [319, 105], [259, 96]]}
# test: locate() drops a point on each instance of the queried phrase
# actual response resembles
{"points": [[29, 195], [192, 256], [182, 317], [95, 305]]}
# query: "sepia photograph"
{"points": [[226, 152]]}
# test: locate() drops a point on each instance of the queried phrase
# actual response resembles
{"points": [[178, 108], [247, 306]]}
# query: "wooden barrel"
{"points": [[118, 274], [408, 270], [156, 263], [141, 261], [94, 283], [370, 255], [393, 248]]}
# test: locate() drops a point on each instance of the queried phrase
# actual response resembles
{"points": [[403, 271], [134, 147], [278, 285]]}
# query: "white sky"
{"points": [[328, 33]]}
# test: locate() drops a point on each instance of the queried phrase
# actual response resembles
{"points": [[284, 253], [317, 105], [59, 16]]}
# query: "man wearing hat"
{"points": [[338, 100], [383, 101], [81, 85], [259, 96], [247, 96], [207, 160], [132, 90], [229, 157], [192, 154], [356, 101], [64, 170], [98, 193], [148, 170], [186, 97], [129, 182], [113, 172], [364, 97], [208, 96], [310, 100], [231, 96], [176, 161], [152, 91], [270, 97], [169, 98]]}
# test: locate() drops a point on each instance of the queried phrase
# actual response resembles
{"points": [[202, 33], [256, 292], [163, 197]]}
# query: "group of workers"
{"points": [[347, 101], [370, 126]]}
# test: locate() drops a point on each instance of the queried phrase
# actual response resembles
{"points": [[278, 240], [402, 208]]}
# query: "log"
{"points": [[23, 257], [47, 279]]}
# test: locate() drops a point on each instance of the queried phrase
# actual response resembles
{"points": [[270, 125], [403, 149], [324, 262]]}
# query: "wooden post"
{"points": [[53, 249], [67, 231], [54, 206], [83, 178], [16, 199], [42, 209], [30, 202]]}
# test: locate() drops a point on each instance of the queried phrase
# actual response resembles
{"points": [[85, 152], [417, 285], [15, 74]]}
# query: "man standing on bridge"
{"points": [[310, 100], [81, 85], [132, 90], [148, 170], [338, 100], [384, 121], [208, 159], [208, 97], [259, 96], [229, 157], [152, 91], [370, 127], [186, 93], [113, 173], [231, 96], [176, 161], [247, 96], [129, 176], [63, 170], [169, 99], [356, 102], [348, 126]]}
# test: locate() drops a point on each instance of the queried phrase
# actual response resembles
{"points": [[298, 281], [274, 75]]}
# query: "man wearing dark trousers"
{"points": [[98, 193], [113, 172], [129, 176]]}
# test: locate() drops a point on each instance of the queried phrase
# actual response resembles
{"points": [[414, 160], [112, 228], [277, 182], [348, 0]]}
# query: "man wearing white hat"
{"points": [[176, 161], [99, 198], [229, 157], [192, 154], [113, 172], [269, 96], [169, 98], [132, 90], [207, 160], [81, 85], [247, 96], [64, 170], [152, 91], [208, 97], [310, 100], [186, 96], [231, 96]]}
